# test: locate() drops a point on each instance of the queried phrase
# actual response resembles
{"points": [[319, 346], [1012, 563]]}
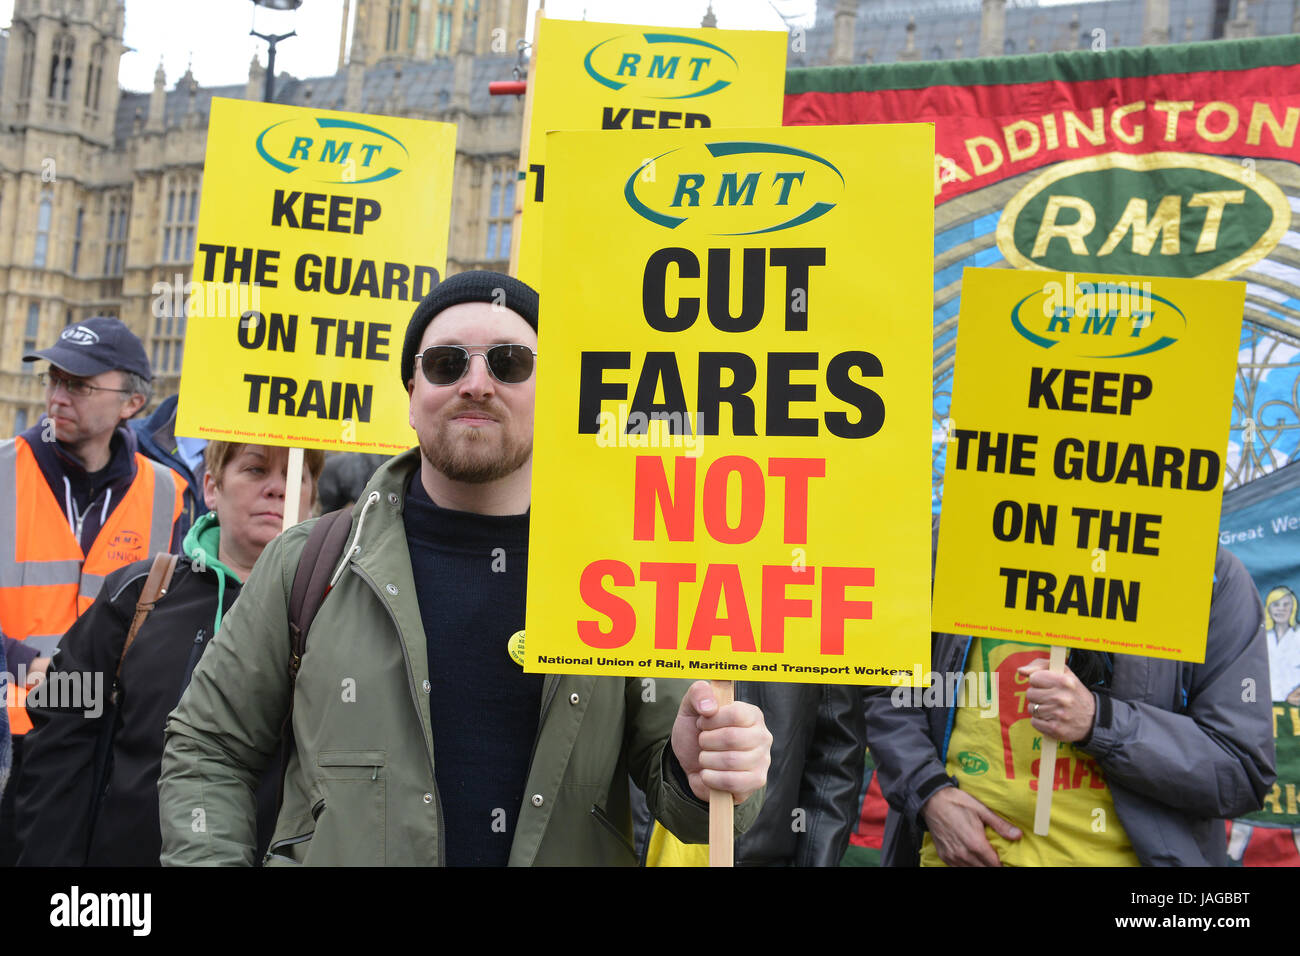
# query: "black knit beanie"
{"points": [[494, 287]]}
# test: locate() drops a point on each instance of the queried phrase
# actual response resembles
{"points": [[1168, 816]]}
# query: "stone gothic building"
{"points": [[99, 186], [900, 31]]}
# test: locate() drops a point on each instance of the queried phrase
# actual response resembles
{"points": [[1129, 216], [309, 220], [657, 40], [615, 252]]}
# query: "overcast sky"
{"points": [[213, 34]]}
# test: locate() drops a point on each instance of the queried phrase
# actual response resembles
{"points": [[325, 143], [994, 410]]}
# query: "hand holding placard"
{"points": [[1081, 494], [1046, 763], [1069, 715], [724, 746], [1065, 708], [721, 746]]}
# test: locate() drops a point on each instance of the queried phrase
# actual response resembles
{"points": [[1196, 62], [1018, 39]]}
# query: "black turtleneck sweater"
{"points": [[471, 573]]}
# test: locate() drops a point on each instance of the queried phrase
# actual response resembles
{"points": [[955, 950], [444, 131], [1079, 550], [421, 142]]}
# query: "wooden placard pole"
{"points": [[722, 805], [1047, 762], [292, 488], [529, 91]]}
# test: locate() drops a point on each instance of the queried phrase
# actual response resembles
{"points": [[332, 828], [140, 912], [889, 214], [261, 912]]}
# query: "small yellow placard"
{"points": [[1084, 466], [732, 445], [616, 76], [318, 234]]}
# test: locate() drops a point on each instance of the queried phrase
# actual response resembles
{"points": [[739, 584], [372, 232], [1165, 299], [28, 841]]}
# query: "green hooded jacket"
{"points": [[360, 786]]}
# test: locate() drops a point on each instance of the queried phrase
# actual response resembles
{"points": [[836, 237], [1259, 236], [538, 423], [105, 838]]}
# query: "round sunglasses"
{"points": [[447, 364]]}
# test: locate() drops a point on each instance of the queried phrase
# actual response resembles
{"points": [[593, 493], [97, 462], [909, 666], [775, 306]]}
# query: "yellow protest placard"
{"points": [[732, 441], [617, 76], [318, 234], [1084, 463]]}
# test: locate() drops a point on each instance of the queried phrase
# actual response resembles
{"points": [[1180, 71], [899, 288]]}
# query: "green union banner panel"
{"points": [[1261, 525]]}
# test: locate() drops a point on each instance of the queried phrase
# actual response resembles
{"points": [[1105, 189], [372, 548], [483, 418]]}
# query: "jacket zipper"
{"points": [[415, 700], [317, 809], [281, 844], [195, 653], [958, 662], [608, 824]]}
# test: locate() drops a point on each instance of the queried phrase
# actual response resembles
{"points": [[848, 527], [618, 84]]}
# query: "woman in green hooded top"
{"points": [[88, 791]]}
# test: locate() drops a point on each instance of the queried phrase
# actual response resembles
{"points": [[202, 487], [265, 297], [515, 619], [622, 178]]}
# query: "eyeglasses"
{"points": [[447, 364], [76, 387]]}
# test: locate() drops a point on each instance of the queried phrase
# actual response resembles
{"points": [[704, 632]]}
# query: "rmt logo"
{"points": [[79, 335]]}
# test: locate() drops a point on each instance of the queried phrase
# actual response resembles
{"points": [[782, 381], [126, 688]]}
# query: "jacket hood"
{"points": [[157, 439], [56, 461], [78, 492], [201, 546]]}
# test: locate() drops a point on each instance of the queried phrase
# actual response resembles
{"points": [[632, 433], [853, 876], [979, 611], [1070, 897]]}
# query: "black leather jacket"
{"points": [[54, 788]]}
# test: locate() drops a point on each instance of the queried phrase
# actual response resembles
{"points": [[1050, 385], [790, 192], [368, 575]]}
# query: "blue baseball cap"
{"points": [[99, 344]]}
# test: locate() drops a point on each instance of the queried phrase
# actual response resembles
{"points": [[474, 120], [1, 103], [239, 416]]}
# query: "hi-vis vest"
{"points": [[46, 582]]}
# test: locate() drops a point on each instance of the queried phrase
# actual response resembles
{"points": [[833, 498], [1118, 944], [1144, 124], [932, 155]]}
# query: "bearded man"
{"points": [[418, 739]]}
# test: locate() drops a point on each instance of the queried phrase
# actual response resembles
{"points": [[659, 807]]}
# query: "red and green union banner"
{"points": [[1173, 160]]}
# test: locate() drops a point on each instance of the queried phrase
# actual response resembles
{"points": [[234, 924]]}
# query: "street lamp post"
{"points": [[268, 91]]}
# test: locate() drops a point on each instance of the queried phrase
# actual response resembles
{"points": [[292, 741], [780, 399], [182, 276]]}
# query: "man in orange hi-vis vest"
{"points": [[77, 501]]}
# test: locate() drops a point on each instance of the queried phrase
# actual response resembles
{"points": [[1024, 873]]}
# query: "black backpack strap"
{"points": [[311, 582], [320, 555]]}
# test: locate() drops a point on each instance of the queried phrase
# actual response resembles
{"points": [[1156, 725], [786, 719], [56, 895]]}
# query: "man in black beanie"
{"points": [[419, 739], [475, 429]]}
